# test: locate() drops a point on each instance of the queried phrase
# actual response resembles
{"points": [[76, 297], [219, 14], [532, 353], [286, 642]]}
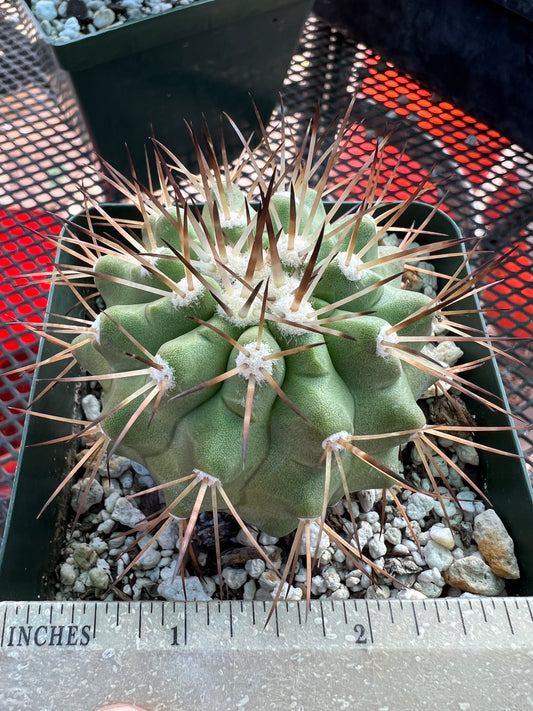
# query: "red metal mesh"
{"points": [[25, 251]]}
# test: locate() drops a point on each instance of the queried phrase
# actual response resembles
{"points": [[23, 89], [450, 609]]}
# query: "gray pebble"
{"points": [[45, 10], [393, 536], [126, 513], [152, 555], [173, 589], [103, 18], [471, 574], [377, 546], [234, 577], [99, 578], [419, 506], [255, 567], [84, 496], [67, 574], [436, 556]]}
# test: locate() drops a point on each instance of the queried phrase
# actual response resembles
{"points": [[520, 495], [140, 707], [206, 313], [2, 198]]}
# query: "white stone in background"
{"points": [[67, 574], [99, 545], [447, 352], [370, 517], [91, 407], [45, 10], [168, 538], [446, 506], [71, 29], [393, 536], [111, 499], [437, 556], [103, 17], [255, 567], [339, 556], [173, 589], [341, 593], [353, 506], [401, 550], [317, 538], [151, 557], [410, 594], [234, 577], [377, 546], [268, 580], [99, 578], [353, 579], [126, 513], [442, 535], [471, 574], [367, 499], [266, 540], [419, 506], [288, 592], [318, 585], [114, 467], [467, 454], [364, 534], [249, 589], [380, 592], [126, 480], [430, 582], [466, 499], [331, 578], [84, 496]]}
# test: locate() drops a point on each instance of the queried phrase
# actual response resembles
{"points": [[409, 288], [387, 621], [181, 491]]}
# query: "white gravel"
{"points": [[64, 21]]}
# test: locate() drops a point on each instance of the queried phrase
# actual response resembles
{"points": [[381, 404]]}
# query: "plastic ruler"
{"points": [[464, 654]]}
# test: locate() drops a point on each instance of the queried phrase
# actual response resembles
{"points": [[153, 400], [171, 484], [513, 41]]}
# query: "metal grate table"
{"points": [[485, 184]]}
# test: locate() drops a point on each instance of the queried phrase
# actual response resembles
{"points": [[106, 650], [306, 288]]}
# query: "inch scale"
{"points": [[464, 654]]}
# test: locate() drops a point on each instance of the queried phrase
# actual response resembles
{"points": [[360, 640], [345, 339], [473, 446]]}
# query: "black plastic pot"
{"points": [[476, 53], [150, 75], [30, 546]]}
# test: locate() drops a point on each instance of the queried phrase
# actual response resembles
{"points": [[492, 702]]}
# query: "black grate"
{"points": [[484, 182]]}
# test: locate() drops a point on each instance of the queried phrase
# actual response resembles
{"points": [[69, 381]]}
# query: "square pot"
{"points": [[151, 75], [30, 546]]}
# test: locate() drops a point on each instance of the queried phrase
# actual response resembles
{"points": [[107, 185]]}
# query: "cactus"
{"points": [[258, 343]]}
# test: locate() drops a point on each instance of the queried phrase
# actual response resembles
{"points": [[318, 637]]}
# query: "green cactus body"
{"points": [[257, 389]]}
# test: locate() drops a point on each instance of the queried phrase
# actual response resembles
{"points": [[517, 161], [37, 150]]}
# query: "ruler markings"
{"points": [[3, 628], [437, 611], [461, 617], [322, 618], [276, 617], [483, 610], [94, 619], [338, 625], [508, 616], [415, 619]]}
